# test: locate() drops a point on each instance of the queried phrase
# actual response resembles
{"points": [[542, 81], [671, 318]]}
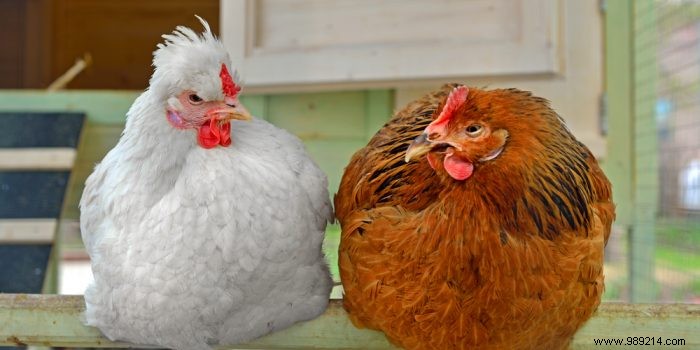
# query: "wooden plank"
{"points": [[327, 115], [665, 321], [379, 110], [256, 105], [121, 54], [12, 63], [332, 156], [317, 43], [96, 141], [52, 320], [56, 321], [27, 231], [618, 87], [37, 158], [100, 106], [51, 278]]}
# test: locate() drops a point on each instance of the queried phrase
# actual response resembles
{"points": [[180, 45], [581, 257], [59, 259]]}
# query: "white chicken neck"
{"points": [[148, 134], [150, 151]]}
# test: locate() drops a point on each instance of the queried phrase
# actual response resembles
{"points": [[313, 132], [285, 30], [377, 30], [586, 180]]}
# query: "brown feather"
{"points": [[511, 258]]}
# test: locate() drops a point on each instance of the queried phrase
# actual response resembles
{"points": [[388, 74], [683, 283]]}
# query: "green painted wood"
{"points": [[101, 106], [379, 110], [332, 156], [332, 125], [320, 116], [619, 89], [96, 141], [51, 279], [256, 105], [51, 320], [646, 183]]}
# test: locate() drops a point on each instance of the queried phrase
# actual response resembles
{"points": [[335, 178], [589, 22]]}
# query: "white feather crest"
{"points": [[187, 60]]}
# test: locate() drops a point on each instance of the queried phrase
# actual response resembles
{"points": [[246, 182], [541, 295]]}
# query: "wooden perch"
{"points": [[72, 72], [55, 320]]}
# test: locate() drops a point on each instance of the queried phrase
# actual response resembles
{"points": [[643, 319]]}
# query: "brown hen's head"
{"points": [[475, 129], [507, 152]]}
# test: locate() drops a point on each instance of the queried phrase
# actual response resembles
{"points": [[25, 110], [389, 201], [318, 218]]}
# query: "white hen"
{"points": [[196, 238]]}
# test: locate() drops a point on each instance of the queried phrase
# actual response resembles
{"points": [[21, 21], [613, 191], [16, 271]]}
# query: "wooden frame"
{"points": [[52, 320], [533, 48]]}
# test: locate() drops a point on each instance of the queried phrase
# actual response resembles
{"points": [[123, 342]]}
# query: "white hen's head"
{"points": [[193, 78]]}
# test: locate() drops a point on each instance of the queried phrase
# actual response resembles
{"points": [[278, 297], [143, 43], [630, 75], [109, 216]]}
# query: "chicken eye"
{"points": [[195, 99], [474, 130]]}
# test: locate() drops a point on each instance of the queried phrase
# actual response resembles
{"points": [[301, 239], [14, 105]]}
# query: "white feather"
{"points": [[192, 247]]}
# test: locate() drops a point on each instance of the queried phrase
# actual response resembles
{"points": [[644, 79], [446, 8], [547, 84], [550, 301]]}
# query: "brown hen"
{"points": [[491, 236]]}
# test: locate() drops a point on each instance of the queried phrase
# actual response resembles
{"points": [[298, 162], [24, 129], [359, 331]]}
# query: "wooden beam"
{"points": [[52, 320], [379, 110], [27, 231], [618, 88], [53, 158], [100, 106]]}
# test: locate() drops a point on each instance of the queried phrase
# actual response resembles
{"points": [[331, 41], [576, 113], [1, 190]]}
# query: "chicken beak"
{"points": [[420, 146], [228, 113]]}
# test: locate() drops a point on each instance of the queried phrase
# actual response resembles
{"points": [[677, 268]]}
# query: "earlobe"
{"points": [[501, 136], [175, 119]]}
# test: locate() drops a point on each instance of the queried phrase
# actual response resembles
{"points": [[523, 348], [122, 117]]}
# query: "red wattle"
{"points": [[460, 169], [211, 134], [432, 161], [225, 139]]}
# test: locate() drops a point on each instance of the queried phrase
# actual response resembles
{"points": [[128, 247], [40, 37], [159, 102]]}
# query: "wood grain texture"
{"points": [[27, 231], [37, 158], [120, 36], [12, 35], [52, 320], [316, 42]]}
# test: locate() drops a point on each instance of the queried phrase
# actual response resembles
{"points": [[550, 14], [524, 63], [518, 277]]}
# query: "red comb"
{"points": [[230, 88], [457, 97]]}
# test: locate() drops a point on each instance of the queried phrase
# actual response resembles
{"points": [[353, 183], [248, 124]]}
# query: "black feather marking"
{"points": [[399, 148], [551, 231], [574, 198], [426, 113], [376, 174], [543, 199], [563, 209], [533, 214], [488, 199], [503, 236], [388, 181], [574, 194]]}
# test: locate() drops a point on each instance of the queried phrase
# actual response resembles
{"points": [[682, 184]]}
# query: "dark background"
{"points": [[41, 39]]}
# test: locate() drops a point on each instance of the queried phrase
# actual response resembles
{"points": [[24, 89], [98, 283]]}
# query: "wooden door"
{"points": [[41, 39]]}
